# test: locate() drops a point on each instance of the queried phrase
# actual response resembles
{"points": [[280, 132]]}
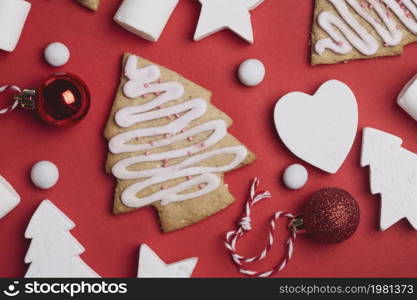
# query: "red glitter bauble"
{"points": [[332, 215], [63, 100]]}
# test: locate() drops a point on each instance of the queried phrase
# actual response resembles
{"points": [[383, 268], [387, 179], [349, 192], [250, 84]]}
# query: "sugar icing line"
{"points": [[141, 82]]}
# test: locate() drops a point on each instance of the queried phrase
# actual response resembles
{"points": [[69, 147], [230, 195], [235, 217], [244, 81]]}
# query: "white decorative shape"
{"points": [[217, 15], [56, 54], [151, 266], [295, 176], [393, 173], [251, 72], [319, 129], [54, 252], [9, 198], [13, 14], [44, 174], [145, 18], [407, 99]]}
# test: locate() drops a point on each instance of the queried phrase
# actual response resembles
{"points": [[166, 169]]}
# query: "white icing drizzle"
{"points": [[141, 82], [349, 32]]}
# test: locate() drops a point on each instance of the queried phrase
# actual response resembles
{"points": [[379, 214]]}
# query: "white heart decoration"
{"points": [[319, 129]]}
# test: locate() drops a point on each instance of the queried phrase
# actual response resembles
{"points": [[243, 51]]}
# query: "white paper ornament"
{"points": [[54, 252], [44, 174], [151, 266], [393, 173], [217, 15], [319, 129], [9, 198]]}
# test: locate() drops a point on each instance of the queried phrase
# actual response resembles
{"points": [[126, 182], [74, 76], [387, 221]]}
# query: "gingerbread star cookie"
{"points": [[169, 147]]}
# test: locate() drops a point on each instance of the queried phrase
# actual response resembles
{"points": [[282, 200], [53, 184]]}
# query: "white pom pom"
{"points": [[56, 54], [295, 176], [251, 72], [44, 174]]}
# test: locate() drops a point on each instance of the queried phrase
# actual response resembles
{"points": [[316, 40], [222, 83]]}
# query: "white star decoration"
{"points": [[217, 15], [151, 266]]}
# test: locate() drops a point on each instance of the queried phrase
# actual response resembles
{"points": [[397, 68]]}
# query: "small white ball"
{"points": [[56, 54], [251, 72], [295, 176], [44, 174]]}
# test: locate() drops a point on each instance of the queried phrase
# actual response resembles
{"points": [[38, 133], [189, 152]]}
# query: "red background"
{"points": [[84, 192]]}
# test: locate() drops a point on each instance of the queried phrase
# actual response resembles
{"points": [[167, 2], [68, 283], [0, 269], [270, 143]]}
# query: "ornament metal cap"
{"points": [[297, 225], [26, 99]]}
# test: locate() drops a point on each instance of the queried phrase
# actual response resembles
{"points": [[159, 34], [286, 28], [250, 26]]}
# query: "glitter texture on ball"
{"points": [[331, 216]]}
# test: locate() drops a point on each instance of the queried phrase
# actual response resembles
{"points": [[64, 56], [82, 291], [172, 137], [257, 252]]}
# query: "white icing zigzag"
{"points": [[144, 81]]}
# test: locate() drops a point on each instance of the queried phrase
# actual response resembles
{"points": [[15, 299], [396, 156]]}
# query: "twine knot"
{"points": [[245, 223]]}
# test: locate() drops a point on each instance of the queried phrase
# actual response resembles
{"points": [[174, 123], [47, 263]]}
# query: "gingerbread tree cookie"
{"points": [[169, 147], [356, 29]]}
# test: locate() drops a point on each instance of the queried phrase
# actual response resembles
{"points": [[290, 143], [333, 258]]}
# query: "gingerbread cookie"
{"points": [[357, 29], [90, 4], [169, 147]]}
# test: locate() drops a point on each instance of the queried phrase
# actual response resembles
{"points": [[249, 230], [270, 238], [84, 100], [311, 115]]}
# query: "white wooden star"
{"points": [[151, 266], [217, 15]]}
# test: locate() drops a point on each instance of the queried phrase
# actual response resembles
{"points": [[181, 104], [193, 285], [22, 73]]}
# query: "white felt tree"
{"points": [[393, 175], [54, 252]]}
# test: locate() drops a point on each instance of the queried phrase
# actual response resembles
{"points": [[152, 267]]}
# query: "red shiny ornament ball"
{"points": [[63, 100], [331, 216]]}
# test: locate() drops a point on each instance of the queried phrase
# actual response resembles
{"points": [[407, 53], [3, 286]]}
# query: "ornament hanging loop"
{"points": [[244, 226], [15, 103]]}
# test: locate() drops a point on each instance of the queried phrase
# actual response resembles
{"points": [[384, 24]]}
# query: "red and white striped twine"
{"points": [[244, 225], [15, 103]]}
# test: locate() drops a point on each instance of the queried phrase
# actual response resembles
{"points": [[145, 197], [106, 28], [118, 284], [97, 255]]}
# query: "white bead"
{"points": [[56, 54], [295, 176], [251, 72], [44, 174]]}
